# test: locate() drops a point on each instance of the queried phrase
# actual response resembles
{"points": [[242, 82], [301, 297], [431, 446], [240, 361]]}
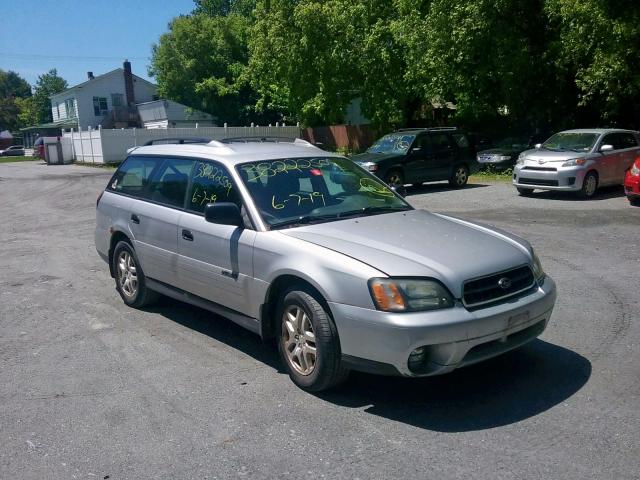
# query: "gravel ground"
{"points": [[92, 389]]}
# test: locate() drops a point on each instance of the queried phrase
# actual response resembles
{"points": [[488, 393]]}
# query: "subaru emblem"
{"points": [[504, 283]]}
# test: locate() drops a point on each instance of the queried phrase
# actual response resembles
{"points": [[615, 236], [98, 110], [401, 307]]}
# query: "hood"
{"points": [[540, 154], [500, 151], [417, 243], [375, 157]]}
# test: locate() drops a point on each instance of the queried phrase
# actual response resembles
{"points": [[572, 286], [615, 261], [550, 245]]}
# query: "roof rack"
{"points": [[261, 139], [426, 129], [178, 141]]}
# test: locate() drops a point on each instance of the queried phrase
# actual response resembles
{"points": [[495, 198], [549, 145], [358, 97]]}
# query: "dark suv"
{"points": [[421, 155]]}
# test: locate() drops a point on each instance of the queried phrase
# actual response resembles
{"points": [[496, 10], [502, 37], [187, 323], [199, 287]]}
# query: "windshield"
{"points": [[577, 142], [513, 142], [296, 191], [392, 143]]}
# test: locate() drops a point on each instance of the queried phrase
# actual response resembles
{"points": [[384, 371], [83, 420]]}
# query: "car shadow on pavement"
{"points": [[438, 187], [501, 391], [220, 329], [603, 193]]}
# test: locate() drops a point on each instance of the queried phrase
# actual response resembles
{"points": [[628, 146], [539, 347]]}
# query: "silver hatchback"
{"points": [[577, 161], [306, 247]]}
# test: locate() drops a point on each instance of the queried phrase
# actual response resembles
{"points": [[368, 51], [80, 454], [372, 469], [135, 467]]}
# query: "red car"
{"points": [[632, 183]]}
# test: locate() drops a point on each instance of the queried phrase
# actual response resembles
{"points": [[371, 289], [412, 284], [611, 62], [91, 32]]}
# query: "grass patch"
{"points": [[491, 175], [19, 159]]}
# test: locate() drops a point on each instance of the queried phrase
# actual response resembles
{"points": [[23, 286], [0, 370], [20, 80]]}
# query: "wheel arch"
{"points": [[268, 322], [116, 237]]}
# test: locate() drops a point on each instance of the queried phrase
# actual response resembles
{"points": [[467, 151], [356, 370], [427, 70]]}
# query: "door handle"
{"points": [[187, 235], [135, 218]]}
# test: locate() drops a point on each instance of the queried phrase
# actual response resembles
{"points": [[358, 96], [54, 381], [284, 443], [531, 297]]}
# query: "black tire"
{"points": [[394, 178], [137, 297], [327, 371], [459, 176], [589, 185], [634, 201], [525, 192]]}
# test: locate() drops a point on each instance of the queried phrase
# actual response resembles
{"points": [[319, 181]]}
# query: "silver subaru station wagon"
{"points": [[577, 161], [306, 247]]}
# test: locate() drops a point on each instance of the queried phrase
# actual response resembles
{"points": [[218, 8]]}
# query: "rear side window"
{"points": [[440, 142], [210, 183], [627, 140], [133, 176], [168, 184]]}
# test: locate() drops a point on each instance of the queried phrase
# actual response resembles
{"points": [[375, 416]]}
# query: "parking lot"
{"points": [[93, 389]]}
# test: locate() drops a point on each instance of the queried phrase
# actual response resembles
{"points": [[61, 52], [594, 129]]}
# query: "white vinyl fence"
{"points": [[110, 146]]}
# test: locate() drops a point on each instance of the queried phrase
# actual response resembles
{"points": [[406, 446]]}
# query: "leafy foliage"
{"points": [[13, 89], [516, 64], [47, 84]]}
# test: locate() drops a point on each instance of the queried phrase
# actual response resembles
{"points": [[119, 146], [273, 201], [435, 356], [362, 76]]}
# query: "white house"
{"points": [[108, 100], [170, 114]]}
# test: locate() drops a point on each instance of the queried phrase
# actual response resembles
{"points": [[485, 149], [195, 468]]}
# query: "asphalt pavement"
{"points": [[92, 389]]}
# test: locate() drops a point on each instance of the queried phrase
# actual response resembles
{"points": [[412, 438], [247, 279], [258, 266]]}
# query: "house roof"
{"points": [[66, 123], [99, 77]]}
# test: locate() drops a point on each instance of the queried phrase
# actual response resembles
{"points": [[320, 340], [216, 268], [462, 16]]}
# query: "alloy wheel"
{"points": [[299, 340], [127, 274]]}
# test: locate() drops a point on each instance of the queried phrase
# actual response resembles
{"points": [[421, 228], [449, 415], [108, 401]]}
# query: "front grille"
{"points": [[498, 286], [538, 181], [541, 169]]}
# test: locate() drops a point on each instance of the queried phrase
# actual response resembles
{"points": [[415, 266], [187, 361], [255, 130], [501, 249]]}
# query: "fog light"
{"points": [[571, 180], [417, 359]]}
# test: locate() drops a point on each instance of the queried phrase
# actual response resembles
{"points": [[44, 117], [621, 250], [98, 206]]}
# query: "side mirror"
{"points": [[223, 213], [401, 190], [606, 148], [538, 145]]}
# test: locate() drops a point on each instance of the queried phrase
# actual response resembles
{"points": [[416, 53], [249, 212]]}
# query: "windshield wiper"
{"points": [[304, 220], [372, 210]]}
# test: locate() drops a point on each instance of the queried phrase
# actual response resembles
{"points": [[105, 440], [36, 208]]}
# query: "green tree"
{"points": [[595, 44], [47, 84], [201, 62], [13, 85]]}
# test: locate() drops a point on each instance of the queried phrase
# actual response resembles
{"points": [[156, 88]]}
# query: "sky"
{"points": [[76, 37]]}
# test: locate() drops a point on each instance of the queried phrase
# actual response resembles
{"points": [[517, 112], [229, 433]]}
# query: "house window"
{"points": [[117, 99], [57, 110], [99, 106], [70, 106]]}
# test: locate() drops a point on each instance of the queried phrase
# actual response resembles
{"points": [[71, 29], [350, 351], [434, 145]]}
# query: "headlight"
{"points": [[574, 162], [409, 295], [370, 166], [520, 160], [635, 169], [536, 266]]}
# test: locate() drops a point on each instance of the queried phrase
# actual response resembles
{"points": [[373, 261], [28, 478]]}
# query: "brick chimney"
{"points": [[128, 84], [90, 75]]}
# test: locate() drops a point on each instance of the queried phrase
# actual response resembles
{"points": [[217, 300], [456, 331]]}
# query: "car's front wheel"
{"points": [[130, 279], [394, 178], [589, 185], [459, 177], [308, 342]]}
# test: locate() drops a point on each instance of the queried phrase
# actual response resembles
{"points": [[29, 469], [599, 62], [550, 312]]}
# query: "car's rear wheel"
{"points": [[635, 201], [308, 342], [459, 177], [130, 279], [394, 178], [589, 185], [525, 192]]}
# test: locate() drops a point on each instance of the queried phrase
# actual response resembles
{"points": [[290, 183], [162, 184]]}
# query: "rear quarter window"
{"points": [[133, 176]]}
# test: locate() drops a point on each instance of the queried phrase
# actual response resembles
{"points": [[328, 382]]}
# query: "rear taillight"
{"points": [[98, 199]]}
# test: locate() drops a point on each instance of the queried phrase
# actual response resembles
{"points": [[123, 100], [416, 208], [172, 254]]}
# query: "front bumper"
{"points": [[549, 177], [381, 342]]}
